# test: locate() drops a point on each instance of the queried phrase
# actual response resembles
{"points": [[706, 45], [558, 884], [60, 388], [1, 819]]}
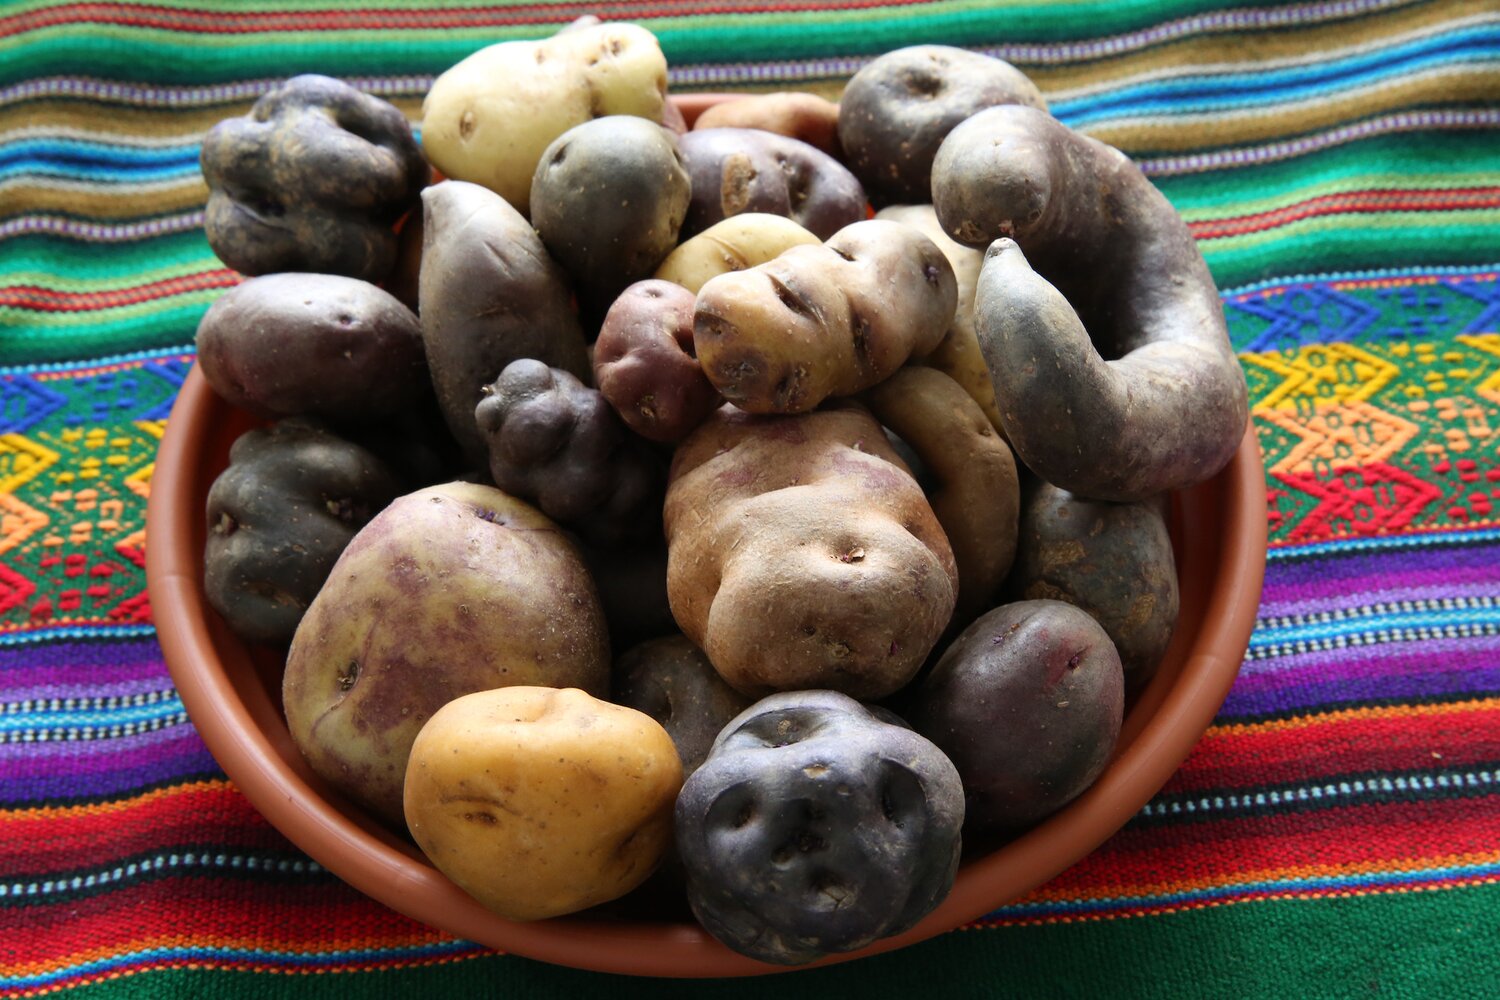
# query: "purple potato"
{"points": [[1027, 703]]}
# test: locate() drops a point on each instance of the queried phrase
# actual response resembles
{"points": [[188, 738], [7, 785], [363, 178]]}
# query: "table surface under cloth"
{"points": [[1336, 833]]}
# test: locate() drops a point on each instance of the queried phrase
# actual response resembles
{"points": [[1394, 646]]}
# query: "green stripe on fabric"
{"points": [[1391, 946], [171, 327], [118, 51], [1223, 193], [117, 263]]}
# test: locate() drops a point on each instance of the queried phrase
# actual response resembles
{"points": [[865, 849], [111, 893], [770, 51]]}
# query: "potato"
{"points": [[312, 179], [488, 119], [737, 243], [974, 490], [632, 584], [449, 590], [608, 199], [672, 681], [817, 825], [292, 497], [805, 117], [822, 321], [1105, 339], [644, 365], [556, 442], [1113, 560], [320, 345], [896, 111], [802, 554], [957, 355], [1027, 703], [737, 170], [490, 294], [539, 802]]}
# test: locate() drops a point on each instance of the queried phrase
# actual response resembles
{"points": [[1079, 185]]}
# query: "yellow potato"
{"points": [[542, 801], [736, 243], [957, 354], [489, 118]]}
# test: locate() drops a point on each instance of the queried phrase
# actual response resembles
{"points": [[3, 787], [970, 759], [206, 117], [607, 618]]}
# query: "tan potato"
{"points": [[736, 243], [449, 590], [975, 494], [488, 119], [822, 321], [802, 554], [812, 119], [539, 802], [957, 355]]}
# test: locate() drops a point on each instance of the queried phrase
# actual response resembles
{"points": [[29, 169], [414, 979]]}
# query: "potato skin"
{"points": [[672, 681], [312, 179], [644, 365], [539, 802], [957, 355], [1105, 339], [737, 170], [739, 242], [822, 321], [489, 118], [817, 825], [801, 554], [805, 117], [556, 442], [313, 344], [1027, 703], [608, 199], [279, 515], [1113, 560], [896, 111], [975, 492], [449, 590], [490, 294]]}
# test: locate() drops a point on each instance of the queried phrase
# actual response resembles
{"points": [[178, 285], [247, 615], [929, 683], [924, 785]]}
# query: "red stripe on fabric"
{"points": [[1379, 836], [206, 910], [250, 22], [51, 841], [1351, 203], [1235, 757], [39, 299]]}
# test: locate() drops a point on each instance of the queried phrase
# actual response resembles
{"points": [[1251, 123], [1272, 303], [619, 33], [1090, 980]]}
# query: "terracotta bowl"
{"points": [[232, 693]]}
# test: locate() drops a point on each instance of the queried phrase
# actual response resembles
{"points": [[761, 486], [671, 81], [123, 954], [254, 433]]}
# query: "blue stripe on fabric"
{"points": [[1186, 95]]}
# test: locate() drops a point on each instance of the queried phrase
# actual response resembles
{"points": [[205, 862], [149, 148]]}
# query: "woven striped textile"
{"points": [[1335, 834]]}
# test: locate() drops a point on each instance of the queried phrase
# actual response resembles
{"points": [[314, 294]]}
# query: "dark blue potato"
{"points": [[817, 826], [312, 179], [558, 444], [1027, 703], [1113, 560], [672, 681], [737, 170], [292, 497]]}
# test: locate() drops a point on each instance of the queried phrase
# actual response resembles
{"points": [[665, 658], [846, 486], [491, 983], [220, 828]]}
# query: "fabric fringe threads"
{"points": [[1336, 162]]}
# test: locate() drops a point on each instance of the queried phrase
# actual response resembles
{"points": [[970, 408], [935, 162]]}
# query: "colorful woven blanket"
{"points": [[1337, 832]]}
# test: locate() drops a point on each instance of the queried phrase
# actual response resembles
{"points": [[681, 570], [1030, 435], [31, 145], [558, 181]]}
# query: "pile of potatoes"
{"points": [[641, 515]]}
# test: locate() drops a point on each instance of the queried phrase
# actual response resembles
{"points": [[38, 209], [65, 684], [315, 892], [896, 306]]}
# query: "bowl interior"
{"points": [[232, 693]]}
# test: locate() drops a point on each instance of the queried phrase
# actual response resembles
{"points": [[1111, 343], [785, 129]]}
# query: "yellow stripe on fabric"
{"points": [[104, 201]]}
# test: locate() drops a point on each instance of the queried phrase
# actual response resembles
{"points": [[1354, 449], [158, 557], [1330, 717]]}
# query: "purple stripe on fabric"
{"points": [[1374, 594], [35, 771], [1417, 669], [1337, 578], [91, 664], [75, 689]]}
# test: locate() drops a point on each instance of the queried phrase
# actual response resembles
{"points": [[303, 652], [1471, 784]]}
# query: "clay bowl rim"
{"points": [[1221, 566]]}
